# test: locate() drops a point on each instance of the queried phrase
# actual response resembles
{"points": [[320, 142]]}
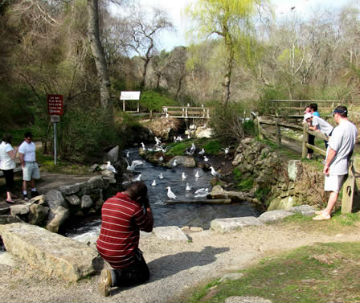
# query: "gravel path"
{"points": [[175, 267]]}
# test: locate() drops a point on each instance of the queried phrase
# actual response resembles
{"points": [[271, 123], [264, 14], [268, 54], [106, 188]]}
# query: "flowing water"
{"points": [[175, 214]]}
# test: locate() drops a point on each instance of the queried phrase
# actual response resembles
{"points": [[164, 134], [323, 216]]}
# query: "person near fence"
{"points": [[29, 165], [339, 151], [311, 138], [314, 109], [7, 165], [123, 216], [318, 124]]}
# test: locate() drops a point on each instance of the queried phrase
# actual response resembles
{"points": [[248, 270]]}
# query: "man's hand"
{"points": [[326, 169]]}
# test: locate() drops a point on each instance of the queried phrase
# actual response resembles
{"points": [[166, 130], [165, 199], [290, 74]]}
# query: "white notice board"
{"points": [[129, 95]]}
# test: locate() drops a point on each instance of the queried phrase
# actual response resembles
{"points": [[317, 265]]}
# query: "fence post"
{"points": [[278, 130], [261, 137], [305, 140], [348, 190]]}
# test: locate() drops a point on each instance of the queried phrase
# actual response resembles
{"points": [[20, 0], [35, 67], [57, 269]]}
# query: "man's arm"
{"points": [[21, 157], [330, 157]]}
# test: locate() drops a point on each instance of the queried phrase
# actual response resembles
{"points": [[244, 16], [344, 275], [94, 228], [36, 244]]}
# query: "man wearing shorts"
{"points": [[29, 165], [339, 151]]}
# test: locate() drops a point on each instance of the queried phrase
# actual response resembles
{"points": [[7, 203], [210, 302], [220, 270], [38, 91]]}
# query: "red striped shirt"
{"points": [[122, 220]]}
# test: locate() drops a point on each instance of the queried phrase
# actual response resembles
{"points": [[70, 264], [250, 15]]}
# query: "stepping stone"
{"points": [[231, 224], [172, 233]]}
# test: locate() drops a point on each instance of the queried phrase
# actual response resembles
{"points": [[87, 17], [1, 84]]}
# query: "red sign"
{"points": [[55, 104]]}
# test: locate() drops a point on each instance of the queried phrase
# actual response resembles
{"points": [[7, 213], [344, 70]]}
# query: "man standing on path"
{"points": [[29, 165], [339, 151], [123, 216]]}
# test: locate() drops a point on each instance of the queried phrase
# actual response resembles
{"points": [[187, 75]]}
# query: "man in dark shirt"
{"points": [[123, 216]]}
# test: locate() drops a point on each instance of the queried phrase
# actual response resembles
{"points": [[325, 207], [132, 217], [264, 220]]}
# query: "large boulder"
{"points": [[54, 254], [183, 161], [59, 216]]}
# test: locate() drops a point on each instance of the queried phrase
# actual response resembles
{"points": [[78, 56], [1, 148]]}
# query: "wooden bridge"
{"points": [[186, 112]]}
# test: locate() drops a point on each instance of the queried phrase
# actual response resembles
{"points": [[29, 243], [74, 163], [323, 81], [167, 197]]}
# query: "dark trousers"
{"points": [[136, 273], [311, 141], [9, 179]]}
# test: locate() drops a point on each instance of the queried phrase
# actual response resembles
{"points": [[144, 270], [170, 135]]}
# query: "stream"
{"points": [[173, 214]]}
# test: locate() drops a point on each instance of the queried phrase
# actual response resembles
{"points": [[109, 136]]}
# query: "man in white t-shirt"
{"points": [[318, 124], [29, 165], [339, 151]]}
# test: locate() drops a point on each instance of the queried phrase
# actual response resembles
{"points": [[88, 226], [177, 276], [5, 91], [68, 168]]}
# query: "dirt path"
{"points": [[175, 267]]}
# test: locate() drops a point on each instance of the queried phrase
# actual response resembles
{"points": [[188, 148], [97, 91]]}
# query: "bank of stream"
{"points": [[184, 214]]}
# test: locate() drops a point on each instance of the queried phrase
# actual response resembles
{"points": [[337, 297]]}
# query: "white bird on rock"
{"points": [[183, 176], [206, 159], [214, 172], [161, 158], [187, 188], [197, 175], [153, 183], [174, 164], [133, 165], [138, 178], [143, 146], [157, 141], [110, 167], [170, 194], [127, 154], [161, 176], [201, 192], [202, 151]]}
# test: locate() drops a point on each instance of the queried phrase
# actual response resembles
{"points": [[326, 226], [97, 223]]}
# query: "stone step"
{"points": [[52, 253]]}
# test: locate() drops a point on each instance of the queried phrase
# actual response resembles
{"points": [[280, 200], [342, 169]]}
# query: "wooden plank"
{"points": [[348, 191], [203, 201], [317, 149]]}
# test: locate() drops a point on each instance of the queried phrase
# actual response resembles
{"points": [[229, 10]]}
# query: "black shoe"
{"points": [[34, 194], [25, 197]]}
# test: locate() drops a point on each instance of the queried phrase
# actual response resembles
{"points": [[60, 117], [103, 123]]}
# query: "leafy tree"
{"points": [[228, 19]]}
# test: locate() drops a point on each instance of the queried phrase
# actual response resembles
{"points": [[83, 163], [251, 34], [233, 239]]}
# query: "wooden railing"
{"points": [[350, 195], [184, 112]]}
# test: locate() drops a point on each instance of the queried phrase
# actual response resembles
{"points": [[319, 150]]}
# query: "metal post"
{"points": [[55, 155]]}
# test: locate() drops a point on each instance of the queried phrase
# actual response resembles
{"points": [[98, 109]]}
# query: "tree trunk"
{"points": [[99, 56], [143, 80], [228, 69]]}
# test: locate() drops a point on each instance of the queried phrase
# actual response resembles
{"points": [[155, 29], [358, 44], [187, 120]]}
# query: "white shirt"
{"points": [[342, 141], [324, 126], [6, 162], [28, 150]]}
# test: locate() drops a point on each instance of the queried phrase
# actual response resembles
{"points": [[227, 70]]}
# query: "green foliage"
{"points": [[178, 149], [83, 135], [308, 274], [269, 93], [152, 100], [262, 193], [249, 128], [212, 147], [243, 184]]}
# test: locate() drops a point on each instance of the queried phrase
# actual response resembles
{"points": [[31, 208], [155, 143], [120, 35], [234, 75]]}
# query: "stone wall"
{"points": [[55, 207]]}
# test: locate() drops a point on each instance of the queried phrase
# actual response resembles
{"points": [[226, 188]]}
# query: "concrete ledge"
{"points": [[274, 215], [52, 253], [172, 233], [233, 224]]}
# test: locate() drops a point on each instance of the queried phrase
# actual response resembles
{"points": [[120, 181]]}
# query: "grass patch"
{"points": [[319, 273]]}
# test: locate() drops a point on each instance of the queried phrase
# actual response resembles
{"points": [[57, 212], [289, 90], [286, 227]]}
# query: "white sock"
{"points": [[24, 192], [33, 189]]}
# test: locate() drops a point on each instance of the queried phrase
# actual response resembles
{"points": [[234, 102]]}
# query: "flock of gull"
{"points": [[202, 192]]}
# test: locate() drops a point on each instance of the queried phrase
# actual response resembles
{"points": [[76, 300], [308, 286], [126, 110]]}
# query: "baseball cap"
{"points": [[339, 111], [307, 116]]}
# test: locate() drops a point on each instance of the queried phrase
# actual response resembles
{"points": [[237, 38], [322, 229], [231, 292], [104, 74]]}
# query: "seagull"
{"points": [[197, 175], [138, 178], [153, 183], [214, 172], [202, 151], [201, 192], [187, 188], [192, 126], [143, 146], [192, 148], [174, 163], [170, 194], [133, 165], [161, 176], [110, 167], [161, 158], [157, 141], [226, 150], [206, 159], [127, 154], [183, 176]]}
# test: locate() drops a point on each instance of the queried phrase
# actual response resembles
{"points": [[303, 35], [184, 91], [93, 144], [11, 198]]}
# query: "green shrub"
{"points": [[178, 149], [212, 147], [152, 100]]}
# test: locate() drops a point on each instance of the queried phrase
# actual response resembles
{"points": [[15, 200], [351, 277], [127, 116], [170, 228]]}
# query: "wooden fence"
{"points": [[184, 112], [350, 192]]}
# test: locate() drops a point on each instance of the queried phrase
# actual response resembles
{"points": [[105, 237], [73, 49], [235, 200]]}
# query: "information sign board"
{"points": [[130, 95], [55, 104]]}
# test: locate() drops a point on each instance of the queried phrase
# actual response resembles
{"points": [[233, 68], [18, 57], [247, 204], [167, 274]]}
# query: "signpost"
{"points": [[130, 95], [55, 110]]}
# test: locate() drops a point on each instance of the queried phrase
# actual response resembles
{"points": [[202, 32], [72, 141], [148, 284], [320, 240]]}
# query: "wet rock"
{"points": [[20, 210], [73, 200], [59, 216], [54, 198], [113, 154], [305, 210], [70, 189], [38, 214], [86, 201], [182, 161]]}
